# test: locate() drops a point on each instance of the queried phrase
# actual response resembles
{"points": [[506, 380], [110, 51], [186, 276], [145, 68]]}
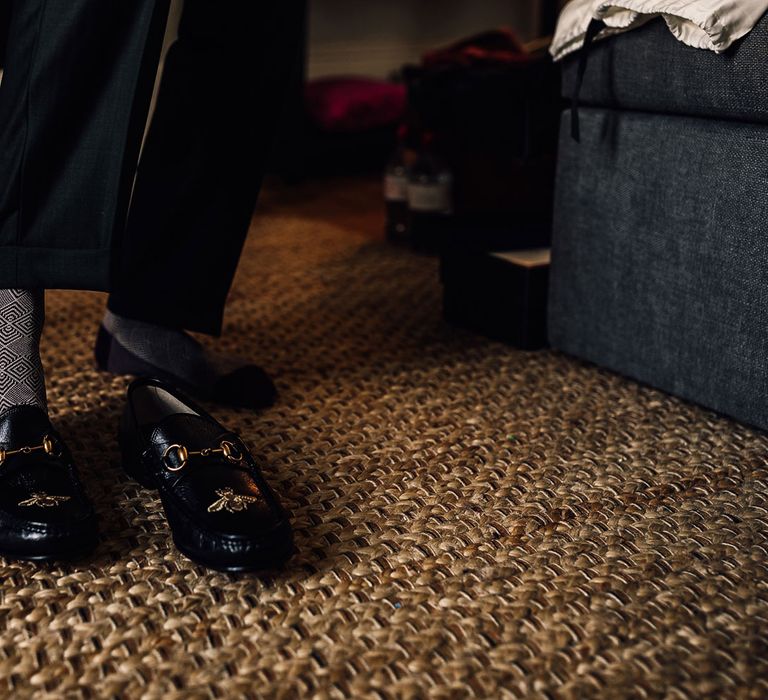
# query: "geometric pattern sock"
{"points": [[22, 314]]}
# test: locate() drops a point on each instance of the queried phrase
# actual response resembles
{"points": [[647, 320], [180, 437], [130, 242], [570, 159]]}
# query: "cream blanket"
{"points": [[704, 24]]}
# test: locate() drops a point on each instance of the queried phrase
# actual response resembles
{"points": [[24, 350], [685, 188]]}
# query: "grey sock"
{"points": [[171, 350], [22, 381]]}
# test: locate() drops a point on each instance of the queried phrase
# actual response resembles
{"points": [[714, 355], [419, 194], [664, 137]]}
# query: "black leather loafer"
{"points": [[44, 512], [221, 511]]}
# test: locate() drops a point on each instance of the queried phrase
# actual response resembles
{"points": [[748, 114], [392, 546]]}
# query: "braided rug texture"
{"points": [[471, 521]]}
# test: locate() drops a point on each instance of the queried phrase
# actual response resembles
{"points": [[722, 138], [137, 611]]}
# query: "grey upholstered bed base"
{"points": [[660, 254]]}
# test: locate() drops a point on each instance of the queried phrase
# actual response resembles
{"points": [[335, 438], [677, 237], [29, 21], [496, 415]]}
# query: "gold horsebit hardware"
{"points": [[39, 498], [228, 500], [226, 449], [47, 445]]}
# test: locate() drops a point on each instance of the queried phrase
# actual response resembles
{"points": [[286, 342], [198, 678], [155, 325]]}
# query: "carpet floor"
{"points": [[471, 521]]}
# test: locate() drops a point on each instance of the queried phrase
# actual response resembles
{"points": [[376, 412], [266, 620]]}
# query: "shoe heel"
{"points": [[133, 467]]}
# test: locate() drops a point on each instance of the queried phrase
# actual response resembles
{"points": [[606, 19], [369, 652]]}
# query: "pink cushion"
{"points": [[354, 104]]}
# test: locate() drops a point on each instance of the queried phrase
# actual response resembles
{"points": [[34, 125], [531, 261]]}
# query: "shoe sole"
{"points": [[271, 559], [59, 556]]}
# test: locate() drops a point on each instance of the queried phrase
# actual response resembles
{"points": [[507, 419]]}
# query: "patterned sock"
{"points": [[22, 381], [175, 355]]}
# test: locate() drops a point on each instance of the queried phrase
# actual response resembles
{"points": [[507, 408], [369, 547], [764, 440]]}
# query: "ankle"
{"points": [[22, 381]]}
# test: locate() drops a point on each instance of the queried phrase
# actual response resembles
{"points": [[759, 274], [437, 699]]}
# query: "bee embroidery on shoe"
{"points": [[231, 501], [43, 500]]}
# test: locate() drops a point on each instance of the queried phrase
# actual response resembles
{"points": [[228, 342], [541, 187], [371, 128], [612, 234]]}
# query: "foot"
{"points": [[221, 511], [125, 346], [44, 512]]}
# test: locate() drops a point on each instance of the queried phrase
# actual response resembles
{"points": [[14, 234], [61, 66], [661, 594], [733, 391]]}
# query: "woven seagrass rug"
{"points": [[472, 521]]}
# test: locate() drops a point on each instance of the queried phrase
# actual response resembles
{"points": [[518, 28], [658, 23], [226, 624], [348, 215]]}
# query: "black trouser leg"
{"points": [[201, 168], [5, 18], [77, 80]]}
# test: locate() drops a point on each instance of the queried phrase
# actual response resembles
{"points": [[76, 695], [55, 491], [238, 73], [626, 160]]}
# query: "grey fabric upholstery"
{"points": [[647, 69], [659, 263]]}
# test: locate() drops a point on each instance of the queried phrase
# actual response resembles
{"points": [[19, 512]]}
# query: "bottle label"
{"points": [[432, 197], [395, 188]]}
